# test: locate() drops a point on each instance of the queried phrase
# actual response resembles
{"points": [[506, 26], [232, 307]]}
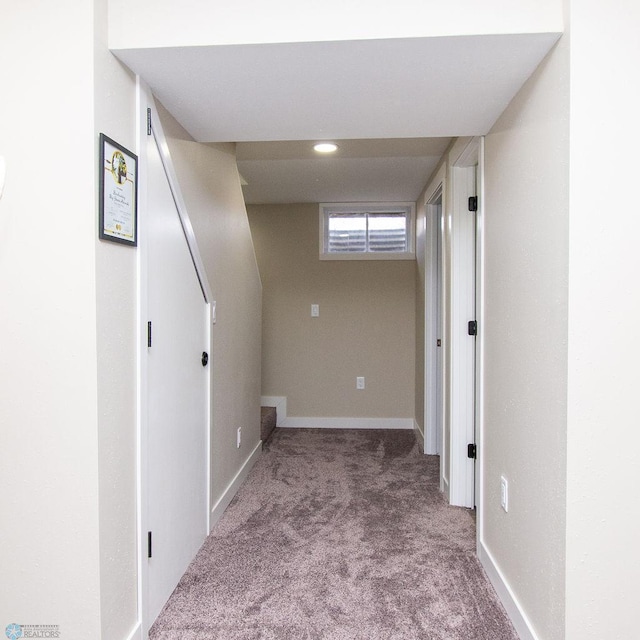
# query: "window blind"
{"points": [[367, 232]]}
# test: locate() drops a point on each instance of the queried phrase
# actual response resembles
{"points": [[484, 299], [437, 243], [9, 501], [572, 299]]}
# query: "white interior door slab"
{"points": [[463, 342], [177, 388]]}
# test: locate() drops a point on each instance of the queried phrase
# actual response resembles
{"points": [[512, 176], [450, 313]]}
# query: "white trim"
{"points": [[370, 255], [280, 403], [183, 214], [431, 303], [141, 366], [461, 152], [479, 417], [419, 435], [347, 423], [509, 601], [136, 632], [444, 484], [232, 488], [468, 157], [210, 312]]}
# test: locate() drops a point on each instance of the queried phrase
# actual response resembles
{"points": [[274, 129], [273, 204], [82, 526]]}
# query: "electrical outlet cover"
{"points": [[504, 493]]}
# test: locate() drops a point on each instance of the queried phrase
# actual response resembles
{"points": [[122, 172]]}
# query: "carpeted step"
{"points": [[267, 422]]}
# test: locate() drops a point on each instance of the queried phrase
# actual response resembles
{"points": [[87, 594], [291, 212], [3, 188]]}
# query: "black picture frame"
{"points": [[118, 200]]}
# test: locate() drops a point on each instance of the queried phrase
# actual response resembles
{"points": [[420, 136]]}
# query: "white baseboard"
{"points": [[347, 423], [509, 601], [419, 433], [136, 632], [280, 403], [234, 485]]}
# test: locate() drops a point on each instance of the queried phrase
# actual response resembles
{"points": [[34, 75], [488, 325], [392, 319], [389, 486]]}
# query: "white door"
{"points": [[177, 400], [463, 342]]}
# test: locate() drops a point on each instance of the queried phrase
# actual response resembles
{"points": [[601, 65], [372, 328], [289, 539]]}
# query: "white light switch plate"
{"points": [[315, 310]]}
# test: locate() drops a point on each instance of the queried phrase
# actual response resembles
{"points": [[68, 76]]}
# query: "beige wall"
{"points": [[57, 399], [210, 185], [560, 363], [525, 342], [366, 325], [603, 473], [67, 552], [68, 330], [116, 305]]}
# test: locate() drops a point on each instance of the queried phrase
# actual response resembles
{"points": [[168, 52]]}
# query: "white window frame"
{"points": [[327, 208]]}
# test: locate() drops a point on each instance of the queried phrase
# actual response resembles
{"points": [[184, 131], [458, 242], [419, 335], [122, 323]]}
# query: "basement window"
{"points": [[367, 231]]}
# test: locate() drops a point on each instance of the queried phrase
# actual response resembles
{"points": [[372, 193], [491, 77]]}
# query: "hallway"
{"points": [[338, 535]]}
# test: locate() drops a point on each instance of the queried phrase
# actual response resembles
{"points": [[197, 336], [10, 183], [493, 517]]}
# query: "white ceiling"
{"points": [[397, 88], [360, 170], [413, 88]]}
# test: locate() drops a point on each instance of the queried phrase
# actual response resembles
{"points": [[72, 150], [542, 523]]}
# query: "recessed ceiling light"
{"points": [[325, 147]]}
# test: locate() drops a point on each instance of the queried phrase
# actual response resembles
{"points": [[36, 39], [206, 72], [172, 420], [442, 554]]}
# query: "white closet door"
{"points": [[177, 381]]}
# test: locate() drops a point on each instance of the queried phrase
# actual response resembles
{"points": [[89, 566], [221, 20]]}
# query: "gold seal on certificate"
{"points": [[118, 192]]}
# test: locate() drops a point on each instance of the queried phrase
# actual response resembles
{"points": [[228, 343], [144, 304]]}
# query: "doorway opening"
{"points": [[434, 329], [453, 273]]}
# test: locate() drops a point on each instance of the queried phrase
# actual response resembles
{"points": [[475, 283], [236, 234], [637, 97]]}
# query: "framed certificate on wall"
{"points": [[118, 193]]}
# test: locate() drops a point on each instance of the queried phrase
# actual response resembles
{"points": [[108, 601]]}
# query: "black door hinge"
{"points": [[149, 121], [473, 328], [149, 333], [149, 545], [473, 203], [471, 451]]}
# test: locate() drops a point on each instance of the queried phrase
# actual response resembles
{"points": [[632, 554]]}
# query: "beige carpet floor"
{"points": [[338, 535]]}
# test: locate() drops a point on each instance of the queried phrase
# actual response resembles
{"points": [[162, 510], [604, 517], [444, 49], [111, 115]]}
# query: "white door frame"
{"points": [[466, 304], [480, 222], [433, 300], [146, 102]]}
